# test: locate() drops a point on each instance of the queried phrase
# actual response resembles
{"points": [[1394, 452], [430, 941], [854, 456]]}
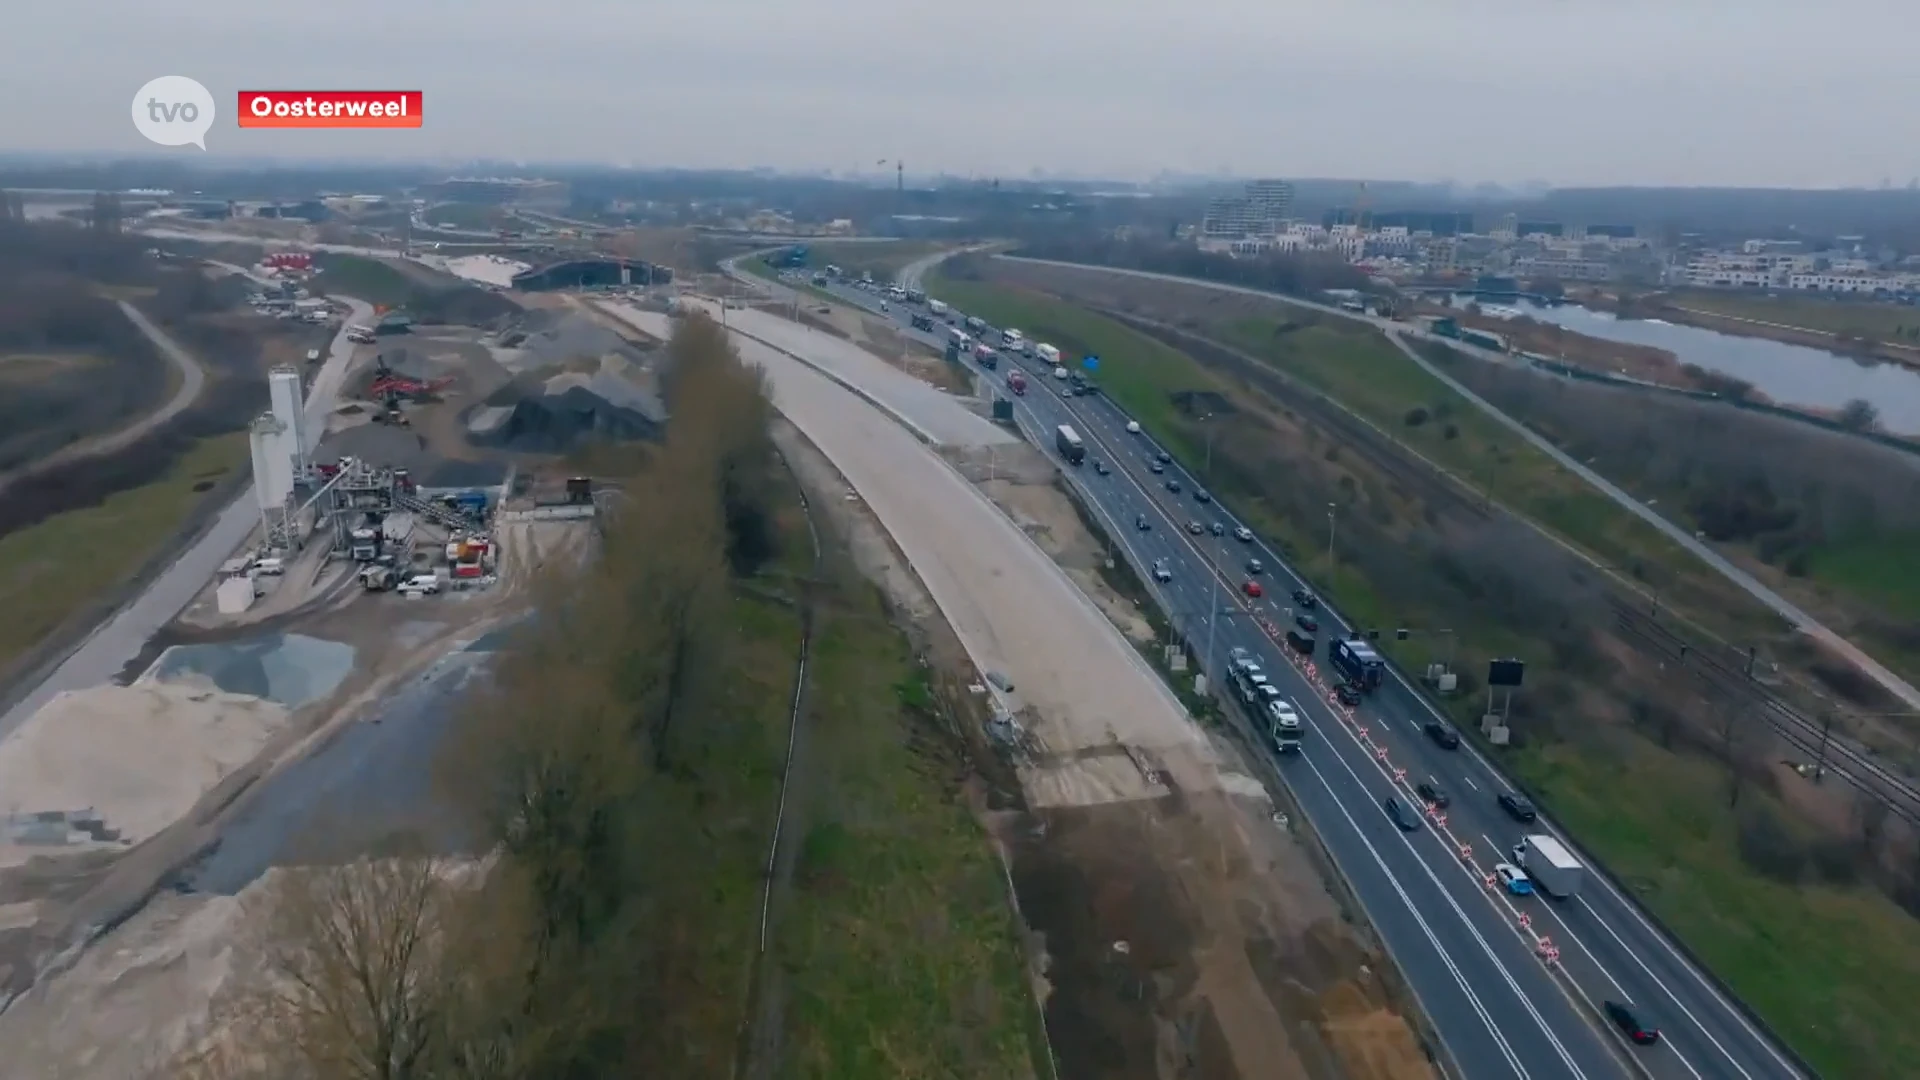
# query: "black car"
{"points": [[1348, 694], [1163, 457], [1140, 522], [1300, 643], [1305, 599], [1173, 486], [1403, 817], [1443, 735], [1517, 807], [1431, 791], [1156, 468], [1308, 623], [1201, 496], [1101, 468], [1628, 1021]]}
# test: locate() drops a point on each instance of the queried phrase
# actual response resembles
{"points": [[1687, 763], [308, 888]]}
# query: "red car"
{"points": [[1252, 588]]}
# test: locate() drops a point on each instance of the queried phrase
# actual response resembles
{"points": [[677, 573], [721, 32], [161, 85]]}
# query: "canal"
{"points": [[1791, 375]]}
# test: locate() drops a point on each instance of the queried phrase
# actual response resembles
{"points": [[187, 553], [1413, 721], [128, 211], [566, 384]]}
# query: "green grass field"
{"points": [[372, 280], [899, 950], [883, 261], [1885, 322], [58, 567], [466, 216], [1832, 967]]}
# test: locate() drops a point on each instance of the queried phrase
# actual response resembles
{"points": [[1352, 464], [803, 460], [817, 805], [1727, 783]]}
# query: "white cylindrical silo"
{"points": [[284, 390], [272, 465]]}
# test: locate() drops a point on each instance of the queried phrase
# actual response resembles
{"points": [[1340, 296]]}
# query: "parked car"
{"points": [[1627, 1020], [1518, 807], [1443, 735], [1401, 815], [1513, 879], [1430, 790]]}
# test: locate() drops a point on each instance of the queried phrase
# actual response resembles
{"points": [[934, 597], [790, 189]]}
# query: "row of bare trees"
{"points": [[592, 771]]}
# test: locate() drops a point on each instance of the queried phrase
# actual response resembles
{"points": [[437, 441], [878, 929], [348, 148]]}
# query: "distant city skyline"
{"points": [[1633, 92]]}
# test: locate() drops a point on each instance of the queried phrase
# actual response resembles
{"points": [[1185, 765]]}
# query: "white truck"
{"points": [[1048, 355], [937, 307], [1550, 865]]}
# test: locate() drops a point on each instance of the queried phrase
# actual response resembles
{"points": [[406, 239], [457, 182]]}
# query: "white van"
{"points": [[270, 567], [1047, 354], [420, 585]]}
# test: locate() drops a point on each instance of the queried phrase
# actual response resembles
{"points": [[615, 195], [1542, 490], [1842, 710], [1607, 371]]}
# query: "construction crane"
{"points": [[1360, 207]]}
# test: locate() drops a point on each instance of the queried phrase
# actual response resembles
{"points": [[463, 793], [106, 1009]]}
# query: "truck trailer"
{"points": [[1069, 444], [1550, 865], [1357, 663]]}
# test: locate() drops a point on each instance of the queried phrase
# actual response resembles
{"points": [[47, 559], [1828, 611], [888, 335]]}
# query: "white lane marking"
{"points": [[1506, 975], [1657, 981], [1500, 781], [1459, 977], [1469, 781]]}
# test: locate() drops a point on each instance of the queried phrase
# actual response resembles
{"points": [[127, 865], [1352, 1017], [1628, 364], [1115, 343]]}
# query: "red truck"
{"points": [[1017, 383]]}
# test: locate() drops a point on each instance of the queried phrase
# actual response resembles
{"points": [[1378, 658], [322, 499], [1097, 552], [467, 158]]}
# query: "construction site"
{"points": [[289, 705]]}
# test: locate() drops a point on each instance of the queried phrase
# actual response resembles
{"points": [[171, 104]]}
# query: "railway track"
{"points": [[1830, 750]]}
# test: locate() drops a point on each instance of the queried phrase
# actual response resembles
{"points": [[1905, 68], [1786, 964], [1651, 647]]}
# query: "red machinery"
{"points": [[387, 384]]}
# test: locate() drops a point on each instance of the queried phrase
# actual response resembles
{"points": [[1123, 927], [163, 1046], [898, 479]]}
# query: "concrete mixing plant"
{"points": [[286, 393]]}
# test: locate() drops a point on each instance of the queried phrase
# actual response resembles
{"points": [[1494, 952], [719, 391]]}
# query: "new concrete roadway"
{"points": [[1473, 954], [120, 639]]}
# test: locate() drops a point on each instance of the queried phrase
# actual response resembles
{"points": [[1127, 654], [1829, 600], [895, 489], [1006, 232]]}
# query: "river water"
{"points": [[1789, 374]]}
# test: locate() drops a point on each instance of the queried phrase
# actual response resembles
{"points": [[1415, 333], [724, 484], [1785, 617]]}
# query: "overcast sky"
{"points": [[1747, 92]]}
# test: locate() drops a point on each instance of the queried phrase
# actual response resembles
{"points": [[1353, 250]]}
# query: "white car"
{"points": [[1059, 373], [1133, 427], [1243, 534], [1160, 571], [1514, 879], [420, 585]]}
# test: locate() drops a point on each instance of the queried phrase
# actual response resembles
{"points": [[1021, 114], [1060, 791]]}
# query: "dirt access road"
{"points": [[1186, 935], [193, 379]]}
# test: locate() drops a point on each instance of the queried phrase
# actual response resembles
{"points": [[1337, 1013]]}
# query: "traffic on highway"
{"points": [[1528, 961]]}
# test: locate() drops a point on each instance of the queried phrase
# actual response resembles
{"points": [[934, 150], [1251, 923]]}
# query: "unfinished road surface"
{"points": [[1186, 934]]}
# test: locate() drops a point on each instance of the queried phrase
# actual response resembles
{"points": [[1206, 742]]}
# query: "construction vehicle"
{"points": [[377, 578]]}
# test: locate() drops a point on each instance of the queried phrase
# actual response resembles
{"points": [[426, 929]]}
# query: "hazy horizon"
{"points": [[1468, 91]]}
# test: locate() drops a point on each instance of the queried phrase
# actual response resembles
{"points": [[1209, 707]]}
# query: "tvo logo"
{"points": [[173, 110]]}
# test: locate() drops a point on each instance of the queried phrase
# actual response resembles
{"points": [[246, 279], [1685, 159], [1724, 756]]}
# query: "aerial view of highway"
{"points": [[1424, 827]]}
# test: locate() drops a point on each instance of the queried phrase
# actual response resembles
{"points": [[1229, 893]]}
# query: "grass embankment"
{"points": [[1833, 967], [1880, 322], [899, 946], [70, 560], [895, 944], [372, 280], [883, 260], [465, 216]]}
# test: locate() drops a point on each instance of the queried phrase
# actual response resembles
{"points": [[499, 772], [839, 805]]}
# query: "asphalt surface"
{"points": [[121, 638], [1473, 954]]}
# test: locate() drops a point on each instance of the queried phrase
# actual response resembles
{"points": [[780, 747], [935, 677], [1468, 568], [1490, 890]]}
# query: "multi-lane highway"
{"points": [[1513, 984]]}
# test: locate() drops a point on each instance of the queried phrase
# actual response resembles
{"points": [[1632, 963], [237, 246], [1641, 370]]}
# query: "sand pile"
{"points": [[140, 755], [134, 1000]]}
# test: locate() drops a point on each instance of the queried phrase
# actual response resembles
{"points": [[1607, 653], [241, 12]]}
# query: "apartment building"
{"points": [[1261, 210]]}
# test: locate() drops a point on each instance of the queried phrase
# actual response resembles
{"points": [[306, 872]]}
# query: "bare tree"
{"points": [[1859, 415], [353, 985]]}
